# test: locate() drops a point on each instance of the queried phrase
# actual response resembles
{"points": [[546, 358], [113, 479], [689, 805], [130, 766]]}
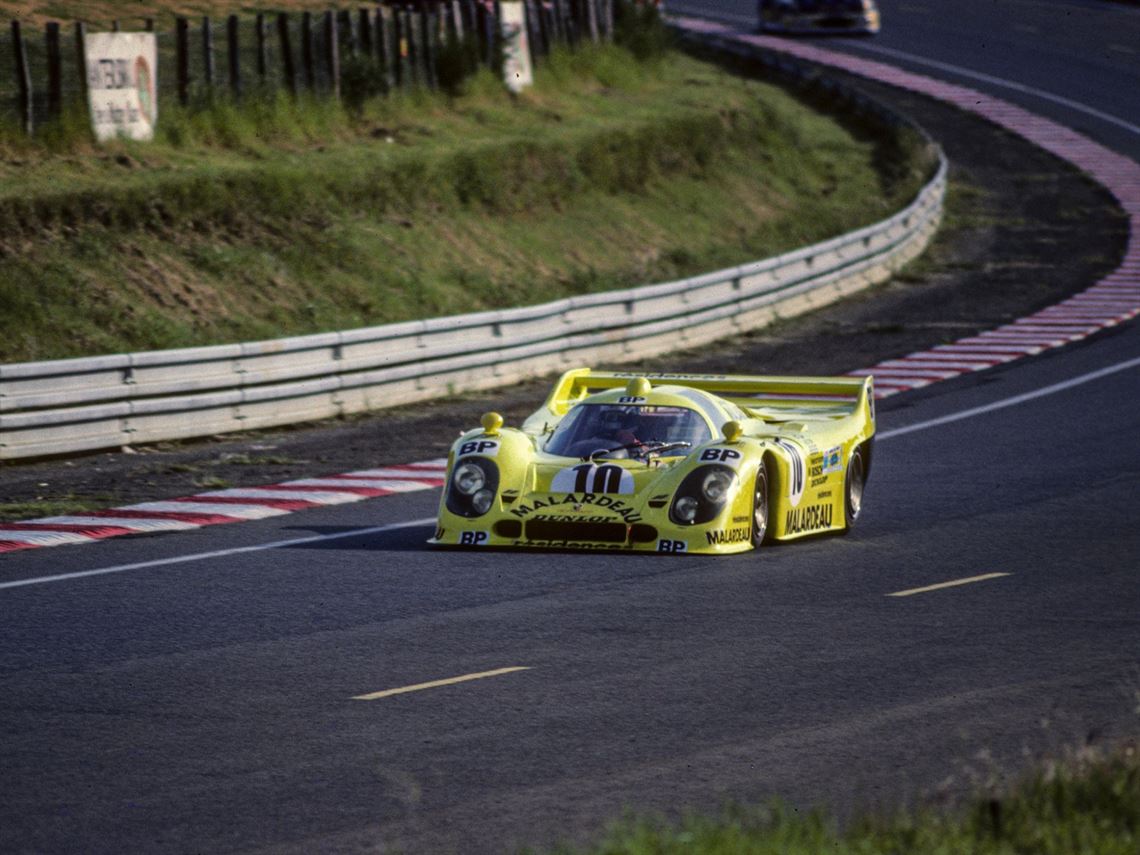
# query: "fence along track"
{"points": [[74, 405]]}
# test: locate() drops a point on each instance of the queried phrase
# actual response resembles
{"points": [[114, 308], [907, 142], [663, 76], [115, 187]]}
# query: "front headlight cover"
{"points": [[472, 488], [702, 495]]}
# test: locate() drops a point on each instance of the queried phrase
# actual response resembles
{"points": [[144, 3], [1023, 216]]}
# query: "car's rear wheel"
{"points": [[760, 506], [855, 483]]}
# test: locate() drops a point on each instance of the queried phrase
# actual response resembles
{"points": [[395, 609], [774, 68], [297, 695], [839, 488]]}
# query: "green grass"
{"points": [[278, 218], [1086, 804]]}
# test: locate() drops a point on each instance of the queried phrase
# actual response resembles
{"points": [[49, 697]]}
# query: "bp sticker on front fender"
{"points": [[718, 454]]}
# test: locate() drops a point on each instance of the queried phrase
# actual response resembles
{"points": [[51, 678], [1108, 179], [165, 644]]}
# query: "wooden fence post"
{"points": [[234, 55], [262, 53], [384, 33], [23, 78], [367, 42], [427, 40], [182, 58], [287, 68], [81, 59], [307, 52], [54, 70], [208, 52], [346, 26], [592, 19], [332, 53]]}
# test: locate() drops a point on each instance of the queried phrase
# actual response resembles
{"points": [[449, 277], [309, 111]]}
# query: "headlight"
{"points": [[473, 486], [702, 494], [468, 478], [481, 501], [685, 508], [715, 485]]}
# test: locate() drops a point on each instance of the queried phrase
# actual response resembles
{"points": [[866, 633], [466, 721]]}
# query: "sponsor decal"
{"points": [[732, 535], [631, 399], [833, 459], [672, 546], [473, 538], [740, 519], [485, 447], [592, 478], [574, 500], [826, 494], [808, 518], [571, 544], [728, 456], [797, 470]]}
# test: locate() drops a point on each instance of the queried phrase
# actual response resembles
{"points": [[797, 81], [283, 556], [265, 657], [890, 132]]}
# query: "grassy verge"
{"points": [[275, 218], [1087, 803]]}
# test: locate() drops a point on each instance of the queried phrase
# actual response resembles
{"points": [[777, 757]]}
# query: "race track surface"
{"points": [[228, 689]]}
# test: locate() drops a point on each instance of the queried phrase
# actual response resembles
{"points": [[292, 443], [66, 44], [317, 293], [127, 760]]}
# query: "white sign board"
{"points": [[122, 84], [517, 73]]}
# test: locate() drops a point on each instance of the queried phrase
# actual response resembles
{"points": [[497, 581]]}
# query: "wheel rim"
{"points": [[760, 508], [855, 486]]}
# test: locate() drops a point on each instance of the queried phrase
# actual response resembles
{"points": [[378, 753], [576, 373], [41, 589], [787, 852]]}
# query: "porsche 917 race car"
{"points": [[664, 463], [805, 17]]}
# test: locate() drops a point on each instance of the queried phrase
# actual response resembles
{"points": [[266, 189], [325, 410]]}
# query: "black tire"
{"points": [[761, 507], [853, 485]]}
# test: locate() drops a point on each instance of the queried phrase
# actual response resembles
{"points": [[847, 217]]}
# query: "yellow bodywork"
{"points": [[802, 430]]}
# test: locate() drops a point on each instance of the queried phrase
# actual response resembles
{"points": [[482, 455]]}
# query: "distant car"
{"points": [[664, 463], [806, 17]]}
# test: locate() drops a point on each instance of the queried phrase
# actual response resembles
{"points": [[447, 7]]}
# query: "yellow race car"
{"points": [[664, 463]]}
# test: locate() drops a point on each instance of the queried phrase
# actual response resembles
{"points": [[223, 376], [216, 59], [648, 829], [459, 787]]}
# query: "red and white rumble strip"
{"points": [[1114, 299], [223, 506]]}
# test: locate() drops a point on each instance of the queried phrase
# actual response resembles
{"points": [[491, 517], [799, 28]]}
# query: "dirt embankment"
{"points": [[1023, 230]]}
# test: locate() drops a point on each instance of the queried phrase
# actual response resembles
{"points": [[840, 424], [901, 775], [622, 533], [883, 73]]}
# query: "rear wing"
{"points": [[771, 397]]}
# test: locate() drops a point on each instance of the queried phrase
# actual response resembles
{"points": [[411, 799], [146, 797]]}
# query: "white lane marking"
{"points": [[953, 583], [999, 81], [1016, 399], [219, 553], [450, 681]]}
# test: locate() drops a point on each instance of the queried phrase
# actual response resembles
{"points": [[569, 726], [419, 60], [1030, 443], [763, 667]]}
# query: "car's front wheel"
{"points": [[760, 506]]}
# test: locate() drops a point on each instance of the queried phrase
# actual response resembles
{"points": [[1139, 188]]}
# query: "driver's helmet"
{"points": [[618, 419]]}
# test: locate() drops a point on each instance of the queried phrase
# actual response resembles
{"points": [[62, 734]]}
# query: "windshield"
{"points": [[591, 427]]}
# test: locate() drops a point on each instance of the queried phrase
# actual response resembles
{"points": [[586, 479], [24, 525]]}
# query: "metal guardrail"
{"points": [[74, 405]]}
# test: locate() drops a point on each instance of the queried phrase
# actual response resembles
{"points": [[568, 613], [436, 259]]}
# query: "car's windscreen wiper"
{"points": [[646, 448]]}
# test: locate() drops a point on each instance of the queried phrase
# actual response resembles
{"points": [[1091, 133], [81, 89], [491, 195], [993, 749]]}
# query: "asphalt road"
{"points": [[1075, 61], [198, 692]]}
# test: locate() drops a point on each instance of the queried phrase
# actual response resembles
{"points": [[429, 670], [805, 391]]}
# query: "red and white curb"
{"points": [[1110, 301], [223, 506]]}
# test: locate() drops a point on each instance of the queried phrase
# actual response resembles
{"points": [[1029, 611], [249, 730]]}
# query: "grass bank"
{"points": [[1086, 803], [273, 218]]}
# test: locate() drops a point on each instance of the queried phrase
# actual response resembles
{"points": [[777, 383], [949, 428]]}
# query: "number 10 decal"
{"points": [[591, 478]]}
